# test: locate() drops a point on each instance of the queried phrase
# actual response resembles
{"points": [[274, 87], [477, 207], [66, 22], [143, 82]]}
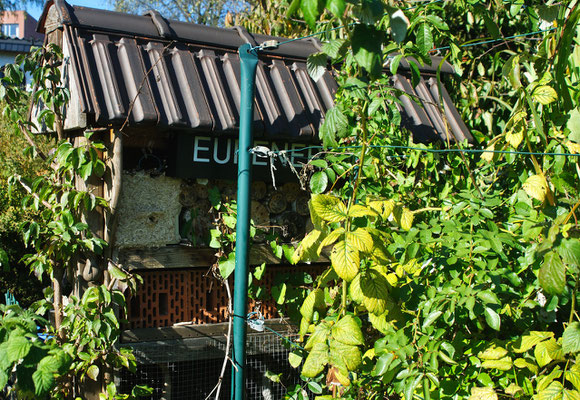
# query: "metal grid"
{"points": [[189, 368]]}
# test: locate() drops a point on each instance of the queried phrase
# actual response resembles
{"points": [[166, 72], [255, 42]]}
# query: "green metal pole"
{"points": [[249, 63]]}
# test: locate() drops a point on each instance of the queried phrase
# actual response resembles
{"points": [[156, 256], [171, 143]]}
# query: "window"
{"points": [[12, 30]]}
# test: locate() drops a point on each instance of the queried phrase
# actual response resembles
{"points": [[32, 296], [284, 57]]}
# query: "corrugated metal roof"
{"points": [[176, 75]]}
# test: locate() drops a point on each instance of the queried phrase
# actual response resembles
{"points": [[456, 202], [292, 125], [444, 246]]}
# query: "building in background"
{"points": [[18, 36]]}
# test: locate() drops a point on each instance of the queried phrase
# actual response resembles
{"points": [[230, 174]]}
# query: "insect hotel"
{"points": [[164, 96]]}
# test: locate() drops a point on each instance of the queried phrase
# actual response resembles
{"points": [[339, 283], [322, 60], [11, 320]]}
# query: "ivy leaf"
{"points": [[544, 94], [503, 364], [345, 357], [347, 331], [424, 38], [227, 266], [360, 239], [318, 182], [552, 275], [366, 47], [483, 393], [399, 26], [492, 318], [311, 10], [345, 259], [316, 65], [571, 338], [329, 208], [536, 187], [316, 360]]}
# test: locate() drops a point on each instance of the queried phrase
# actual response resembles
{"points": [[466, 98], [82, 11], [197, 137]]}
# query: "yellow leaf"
{"points": [[383, 207], [526, 342], [514, 390], [573, 376], [503, 364], [547, 351], [361, 211], [304, 251], [330, 239], [489, 154], [404, 217], [544, 94], [329, 208], [573, 147], [360, 239], [492, 353], [523, 363], [514, 137], [483, 393], [570, 395], [536, 187], [345, 259], [552, 392]]}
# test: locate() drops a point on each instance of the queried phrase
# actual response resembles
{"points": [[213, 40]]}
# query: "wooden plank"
{"points": [[177, 256]]}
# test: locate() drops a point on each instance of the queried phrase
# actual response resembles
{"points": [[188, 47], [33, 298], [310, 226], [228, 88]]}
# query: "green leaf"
{"points": [[316, 360], [311, 10], [571, 338], [569, 250], [316, 65], [227, 266], [320, 335], [544, 94], [399, 26], [492, 318], [334, 48], [573, 125], [308, 247], [4, 261], [488, 297], [347, 331], [503, 364], [336, 7], [345, 259], [17, 346], [366, 46], [424, 38], [404, 217], [318, 182], [373, 289], [483, 393], [43, 382], [432, 317], [523, 363], [552, 275]]}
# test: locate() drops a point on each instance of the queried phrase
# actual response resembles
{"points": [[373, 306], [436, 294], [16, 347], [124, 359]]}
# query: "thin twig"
{"points": [[143, 81]]}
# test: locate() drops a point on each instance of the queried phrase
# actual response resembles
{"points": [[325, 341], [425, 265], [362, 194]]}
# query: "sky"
{"points": [[36, 11]]}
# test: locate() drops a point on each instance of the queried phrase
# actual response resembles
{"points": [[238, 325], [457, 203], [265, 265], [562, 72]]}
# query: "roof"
{"points": [[148, 71], [15, 45]]}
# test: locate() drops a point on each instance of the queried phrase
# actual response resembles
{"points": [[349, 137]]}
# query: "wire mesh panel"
{"points": [[190, 368]]}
